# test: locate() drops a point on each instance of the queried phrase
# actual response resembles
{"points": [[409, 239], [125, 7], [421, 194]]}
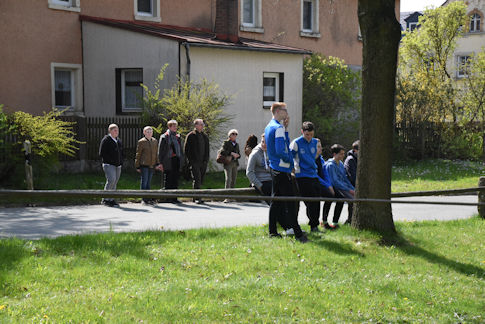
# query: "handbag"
{"points": [[223, 159]]}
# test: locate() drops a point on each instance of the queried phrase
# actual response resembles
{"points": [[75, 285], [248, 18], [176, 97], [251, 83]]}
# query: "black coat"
{"points": [[111, 152], [197, 147], [350, 165]]}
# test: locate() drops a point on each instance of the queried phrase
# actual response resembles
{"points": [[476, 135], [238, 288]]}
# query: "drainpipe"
{"points": [[187, 56]]}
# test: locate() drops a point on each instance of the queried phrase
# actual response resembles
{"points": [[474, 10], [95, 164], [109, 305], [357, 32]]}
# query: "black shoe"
{"points": [[315, 230], [348, 222], [176, 201], [277, 235], [108, 203], [199, 202], [114, 204], [302, 239]]}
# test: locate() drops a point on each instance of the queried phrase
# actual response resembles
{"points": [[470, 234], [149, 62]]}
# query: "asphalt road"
{"points": [[37, 222]]}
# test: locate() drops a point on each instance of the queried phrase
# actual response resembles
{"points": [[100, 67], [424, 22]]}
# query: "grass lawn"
{"points": [[436, 175], [434, 272], [411, 176]]}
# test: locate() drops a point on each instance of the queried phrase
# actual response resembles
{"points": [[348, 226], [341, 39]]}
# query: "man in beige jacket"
{"points": [[146, 159]]}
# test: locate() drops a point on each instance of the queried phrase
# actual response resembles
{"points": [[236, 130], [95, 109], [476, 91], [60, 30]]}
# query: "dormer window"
{"points": [[413, 26], [475, 23]]}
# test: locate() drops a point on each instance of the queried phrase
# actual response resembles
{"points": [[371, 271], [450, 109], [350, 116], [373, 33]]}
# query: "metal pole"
{"points": [[29, 177]]}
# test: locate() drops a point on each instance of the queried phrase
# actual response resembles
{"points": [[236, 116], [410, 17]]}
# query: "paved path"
{"points": [[37, 222]]}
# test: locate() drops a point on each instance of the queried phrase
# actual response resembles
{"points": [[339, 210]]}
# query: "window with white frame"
{"points": [[309, 18], [128, 90], [475, 23], [413, 26], [273, 86], [248, 13], [251, 17], [66, 83], [462, 68], [148, 10], [69, 5]]}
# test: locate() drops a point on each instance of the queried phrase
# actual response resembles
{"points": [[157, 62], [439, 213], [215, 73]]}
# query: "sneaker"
{"points": [[199, 201], [290, 231], [114, 204], [226, 201], [330, 227], [277, 235], [314, 229], [176, 201], [348, 222], [302, 239]]}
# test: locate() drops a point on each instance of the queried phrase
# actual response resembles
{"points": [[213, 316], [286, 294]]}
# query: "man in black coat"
{"points": [[197, 153], [171, 156], [350, 163], [111, 153]]}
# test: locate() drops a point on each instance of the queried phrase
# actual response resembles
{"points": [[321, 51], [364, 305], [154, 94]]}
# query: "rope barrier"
{"points": [[195, 194]]}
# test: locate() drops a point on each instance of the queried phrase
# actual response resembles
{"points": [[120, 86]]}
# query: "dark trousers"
{"points": [[197, 170], [340, 205], [283, 212], [310, 187], [266, 189], [325, 192], [171, 177]]}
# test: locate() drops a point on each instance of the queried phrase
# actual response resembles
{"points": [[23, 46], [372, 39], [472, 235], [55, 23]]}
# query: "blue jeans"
{"points": [[146, 177]]}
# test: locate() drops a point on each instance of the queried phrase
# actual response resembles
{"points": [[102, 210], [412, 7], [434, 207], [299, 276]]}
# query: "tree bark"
{"points": [[381, 34]]}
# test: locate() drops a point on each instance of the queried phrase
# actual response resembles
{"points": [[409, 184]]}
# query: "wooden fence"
{"points": [[91, 130]]}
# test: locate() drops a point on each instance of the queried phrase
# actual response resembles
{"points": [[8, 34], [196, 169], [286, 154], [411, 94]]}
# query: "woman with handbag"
{"points": [[230, 150]]}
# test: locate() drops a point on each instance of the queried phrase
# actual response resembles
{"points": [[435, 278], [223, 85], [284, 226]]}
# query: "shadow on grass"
{"points": [[337, 248], [412, 249]]}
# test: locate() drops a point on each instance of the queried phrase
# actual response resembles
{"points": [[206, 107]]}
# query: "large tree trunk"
{"points": [[381, 35]]}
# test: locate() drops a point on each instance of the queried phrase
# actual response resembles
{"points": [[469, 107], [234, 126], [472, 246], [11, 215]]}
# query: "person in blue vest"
{"points": [[281, 164], [304, 151], [341, 184]]}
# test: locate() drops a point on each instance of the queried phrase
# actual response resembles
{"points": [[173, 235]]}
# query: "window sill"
{"points": [[61, 7], [259, 30], [310, 34], [473, 33], [148, 18]]}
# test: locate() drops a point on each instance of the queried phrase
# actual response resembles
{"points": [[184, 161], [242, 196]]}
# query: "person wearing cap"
{"points": [[231, 148]]}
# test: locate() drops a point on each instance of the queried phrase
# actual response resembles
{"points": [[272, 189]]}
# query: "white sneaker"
{"points": [[290, 231]]}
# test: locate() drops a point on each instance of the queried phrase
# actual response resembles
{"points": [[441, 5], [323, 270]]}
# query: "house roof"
{"points": [[406, 16], [193, 36]]}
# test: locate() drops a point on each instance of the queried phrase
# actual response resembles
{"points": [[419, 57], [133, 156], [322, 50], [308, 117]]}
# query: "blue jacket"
{"points": [[278, 147], [323, 176], [338, 175], [304, 154]]}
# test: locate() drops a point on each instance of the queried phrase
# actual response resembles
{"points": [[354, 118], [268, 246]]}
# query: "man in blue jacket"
{"points": [[281, 164], [341, 184], [304, 150]]}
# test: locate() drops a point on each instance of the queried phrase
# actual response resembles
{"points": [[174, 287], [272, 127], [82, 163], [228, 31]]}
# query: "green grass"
{"points": [[433, 273], [436, 175]]}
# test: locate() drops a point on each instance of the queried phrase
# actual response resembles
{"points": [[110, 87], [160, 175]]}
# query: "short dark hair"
{"points": [[336, 148], [355, 145], [307, 126]]}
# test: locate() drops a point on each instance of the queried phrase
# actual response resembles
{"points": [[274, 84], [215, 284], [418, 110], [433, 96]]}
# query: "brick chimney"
{"points": [[226, 25]]}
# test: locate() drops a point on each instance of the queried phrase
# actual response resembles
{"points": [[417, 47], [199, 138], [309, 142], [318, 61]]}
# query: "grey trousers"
{"points": [[112, 174], [230, 170]]}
